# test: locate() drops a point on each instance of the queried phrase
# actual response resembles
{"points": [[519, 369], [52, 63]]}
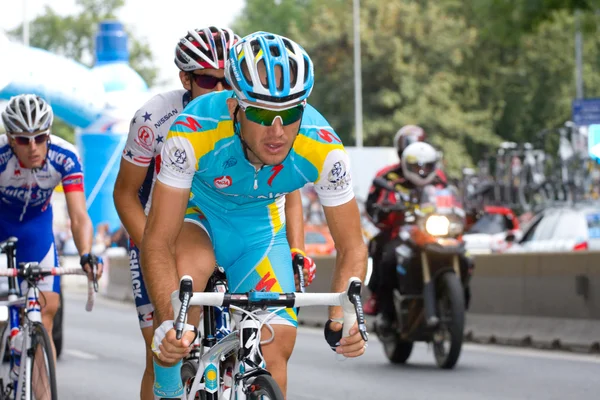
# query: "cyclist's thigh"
{"points": [[194, 249], [36, 244], [266, 266], [144, 307]]}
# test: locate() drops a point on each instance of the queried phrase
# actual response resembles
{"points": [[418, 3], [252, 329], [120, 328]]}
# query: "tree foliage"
{"points": [[471, 73]]}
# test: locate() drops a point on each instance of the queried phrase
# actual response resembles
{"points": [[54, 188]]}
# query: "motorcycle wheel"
{"points": [[448, 339]]}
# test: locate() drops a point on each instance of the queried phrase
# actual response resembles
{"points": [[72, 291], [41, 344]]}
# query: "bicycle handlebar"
{"points": [[349, 300], [32, 270]]}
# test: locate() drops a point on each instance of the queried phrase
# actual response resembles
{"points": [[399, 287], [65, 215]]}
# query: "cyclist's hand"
{"points": [[310, 270], [349, 346], [165, 345], [87, 260]]}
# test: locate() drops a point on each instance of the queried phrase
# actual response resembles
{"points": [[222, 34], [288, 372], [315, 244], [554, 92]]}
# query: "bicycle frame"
{"points": [[32, 311], [33, 314], [210, 362]]}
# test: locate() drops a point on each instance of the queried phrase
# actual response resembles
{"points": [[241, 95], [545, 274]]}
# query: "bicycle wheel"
{"points": [[264, 387], [43, 369], [188, 373]]}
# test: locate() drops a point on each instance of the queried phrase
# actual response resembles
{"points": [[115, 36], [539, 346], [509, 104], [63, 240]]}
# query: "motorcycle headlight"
{"points": [[437, 225]]}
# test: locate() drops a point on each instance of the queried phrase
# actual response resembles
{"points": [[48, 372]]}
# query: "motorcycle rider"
{"points": [[386, 222]]}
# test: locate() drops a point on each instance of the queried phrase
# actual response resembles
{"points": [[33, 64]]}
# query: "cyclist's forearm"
{"points": [[83, 233], [132, 214], [160, 276], [348, 263], [294, 220]]}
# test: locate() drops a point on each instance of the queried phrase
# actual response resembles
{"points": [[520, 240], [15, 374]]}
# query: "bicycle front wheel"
{"points": [[43, 369], [264, 387]]}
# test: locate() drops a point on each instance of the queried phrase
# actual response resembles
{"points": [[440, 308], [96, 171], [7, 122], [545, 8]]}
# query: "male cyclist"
{"points": [[32, 163], [200, 57], [394, 175], [226, 165]]}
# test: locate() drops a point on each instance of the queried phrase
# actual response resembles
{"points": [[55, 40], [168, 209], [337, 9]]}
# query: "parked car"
{"points": [[318, 241], [489, 233], [562, 228]]}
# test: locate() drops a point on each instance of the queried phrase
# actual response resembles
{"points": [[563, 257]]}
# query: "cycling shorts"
{"points": [[144, 307], [36, 244], [251, 245]]}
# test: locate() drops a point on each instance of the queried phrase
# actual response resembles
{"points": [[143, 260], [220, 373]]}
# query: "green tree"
{"points": [[471, 73], [73, 36], [412, 57]]}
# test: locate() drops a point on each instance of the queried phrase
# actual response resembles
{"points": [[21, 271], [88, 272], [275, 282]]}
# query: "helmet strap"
{"points": [[238, 130]]}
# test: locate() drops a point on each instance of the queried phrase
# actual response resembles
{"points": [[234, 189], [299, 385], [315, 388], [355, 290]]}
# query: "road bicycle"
{"points": [[30, 372], [204, 375]]}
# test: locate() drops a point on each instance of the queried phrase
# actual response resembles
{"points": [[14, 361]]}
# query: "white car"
{"points": [[562, 228], [489, 234]]}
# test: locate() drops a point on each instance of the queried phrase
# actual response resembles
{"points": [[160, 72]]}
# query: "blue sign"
{"points": [[586, 111], [594, 141]]}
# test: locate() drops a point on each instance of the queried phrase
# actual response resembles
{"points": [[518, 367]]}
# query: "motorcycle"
{"points": [[431, 274]]}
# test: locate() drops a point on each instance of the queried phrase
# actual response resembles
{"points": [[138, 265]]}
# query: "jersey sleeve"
{"points": [[178, 160], [65, 159], [139, 149], [334, 185], [323, 159]]}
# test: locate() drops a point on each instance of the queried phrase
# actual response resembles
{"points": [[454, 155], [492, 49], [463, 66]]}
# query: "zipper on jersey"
{"points": [[256, 171]]}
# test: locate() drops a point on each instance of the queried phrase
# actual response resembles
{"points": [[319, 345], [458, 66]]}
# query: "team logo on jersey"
{"points": [[223, 182], [328, 136], [229, 163], [337, 173], [179, 156], [145, 137]]}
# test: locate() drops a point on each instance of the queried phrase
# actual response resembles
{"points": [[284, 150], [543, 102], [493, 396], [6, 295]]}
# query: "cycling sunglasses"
{"points": [[25, 140], [210, 82], [265, 117]]}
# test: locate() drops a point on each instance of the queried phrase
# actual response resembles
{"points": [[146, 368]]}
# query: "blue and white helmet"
{"points": [[295, 72]]}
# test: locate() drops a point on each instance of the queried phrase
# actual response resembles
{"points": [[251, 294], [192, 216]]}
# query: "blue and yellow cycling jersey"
{"points": [[203, 152], [241, 207]]}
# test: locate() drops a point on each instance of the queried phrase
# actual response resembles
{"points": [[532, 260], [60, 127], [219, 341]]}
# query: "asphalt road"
{"points": [[103, 358]]}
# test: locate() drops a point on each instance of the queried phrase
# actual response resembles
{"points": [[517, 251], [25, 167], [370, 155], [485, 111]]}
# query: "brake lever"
{"points": [[299, 267], [95, 276], [185, 294], [360, 317], [354, 295]]}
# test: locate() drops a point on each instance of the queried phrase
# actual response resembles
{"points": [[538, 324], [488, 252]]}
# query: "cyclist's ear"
{"points": [[232, 105], [186, 82]]}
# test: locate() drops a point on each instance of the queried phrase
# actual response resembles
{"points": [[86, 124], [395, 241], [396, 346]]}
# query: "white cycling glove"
{"points": [[161, 332]]}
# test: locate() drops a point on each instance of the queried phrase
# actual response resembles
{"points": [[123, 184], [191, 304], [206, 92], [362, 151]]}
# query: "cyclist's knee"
{"points": [[49, 303], [279, 351]]}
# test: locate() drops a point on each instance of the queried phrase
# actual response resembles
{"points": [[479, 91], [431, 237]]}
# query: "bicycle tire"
{"points": [[40, 336], [264, 385]]}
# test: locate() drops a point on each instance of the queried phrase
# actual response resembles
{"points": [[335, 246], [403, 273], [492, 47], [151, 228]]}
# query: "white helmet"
{"points": [[419, 163], [27, 113], [204, 48]]}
